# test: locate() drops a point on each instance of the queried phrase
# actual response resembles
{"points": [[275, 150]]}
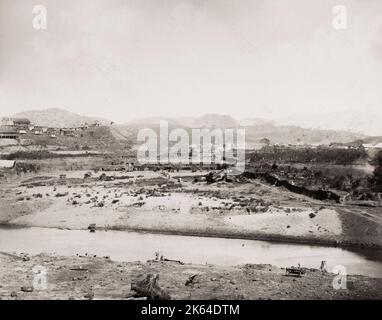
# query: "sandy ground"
{"points": [[291, 223], [164, 202], [101, 278]]}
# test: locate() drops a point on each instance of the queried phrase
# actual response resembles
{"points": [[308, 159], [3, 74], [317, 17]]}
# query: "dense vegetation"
{"points": [[309, 155], [377, 177], [322, 167], [41, 154]]}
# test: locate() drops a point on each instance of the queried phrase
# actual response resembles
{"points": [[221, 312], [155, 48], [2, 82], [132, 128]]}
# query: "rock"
{"points": [[59, 195], [13, 294], [100, 204], [89, 295], [27, 289], [190, 280]]}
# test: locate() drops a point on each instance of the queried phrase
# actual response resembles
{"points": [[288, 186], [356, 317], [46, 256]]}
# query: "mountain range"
{"points": [[256, 128]]}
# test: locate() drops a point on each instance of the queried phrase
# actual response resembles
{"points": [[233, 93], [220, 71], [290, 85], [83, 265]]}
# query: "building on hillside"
{"points": [[338, 145], [95, 124], [8, 132], [39, 130], [20, 123], [369, 146], [6, 122], [69, 132]]}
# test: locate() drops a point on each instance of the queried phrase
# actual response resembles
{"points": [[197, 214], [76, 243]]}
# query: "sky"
{"points": [[128, 59]]}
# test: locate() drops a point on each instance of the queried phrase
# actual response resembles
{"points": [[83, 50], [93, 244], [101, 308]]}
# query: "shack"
{"points": [[8, 132]]}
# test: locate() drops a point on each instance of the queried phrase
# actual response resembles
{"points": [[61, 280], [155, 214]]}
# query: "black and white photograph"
{"points": [[220, 150]]}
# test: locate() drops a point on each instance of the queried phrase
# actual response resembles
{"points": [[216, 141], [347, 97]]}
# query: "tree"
{"points": [[265, 141], [377, 177]]}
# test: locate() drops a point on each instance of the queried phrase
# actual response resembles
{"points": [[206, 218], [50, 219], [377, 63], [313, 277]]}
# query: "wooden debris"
{"points": [[148, 287]]}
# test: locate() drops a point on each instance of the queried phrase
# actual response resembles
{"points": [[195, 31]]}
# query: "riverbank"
{"points": [[172, 204], [100, 278]]}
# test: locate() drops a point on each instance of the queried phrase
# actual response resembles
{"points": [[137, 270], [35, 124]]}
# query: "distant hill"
{"points": [[216, 120], [55, 117], [256, 129], [297, 135], [256, 121], [206, 121], [369, 140], [366, 123]]}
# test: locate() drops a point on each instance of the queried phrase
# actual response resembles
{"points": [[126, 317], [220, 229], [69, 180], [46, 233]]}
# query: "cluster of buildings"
{"points": [[11, 128], [15, 128], [368, 146]]}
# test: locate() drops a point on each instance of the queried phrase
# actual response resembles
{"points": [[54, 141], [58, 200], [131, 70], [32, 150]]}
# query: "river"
{"points": [[133, 246]]}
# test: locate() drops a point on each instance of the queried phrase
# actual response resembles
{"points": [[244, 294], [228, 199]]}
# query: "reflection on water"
{"points": [[133, 246]]}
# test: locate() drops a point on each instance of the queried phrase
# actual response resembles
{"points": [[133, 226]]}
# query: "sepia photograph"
{"points": [[192, 150]]}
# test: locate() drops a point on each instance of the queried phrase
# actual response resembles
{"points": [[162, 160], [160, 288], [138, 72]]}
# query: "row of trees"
{"points": [[309, 155]]}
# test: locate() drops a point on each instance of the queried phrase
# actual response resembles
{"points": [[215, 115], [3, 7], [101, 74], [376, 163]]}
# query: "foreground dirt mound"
{"points": [[100, 278]]}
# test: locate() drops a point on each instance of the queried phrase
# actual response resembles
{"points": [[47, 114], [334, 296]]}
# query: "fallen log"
{"points": [[171, 260]]}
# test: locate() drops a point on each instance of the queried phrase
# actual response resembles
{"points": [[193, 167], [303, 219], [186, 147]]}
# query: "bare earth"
{"points": [[152, 201], [100, 278], [172, 203]]}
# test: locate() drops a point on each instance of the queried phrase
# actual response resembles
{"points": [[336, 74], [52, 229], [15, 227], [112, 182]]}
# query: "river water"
{"points": [[133, 246]]}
